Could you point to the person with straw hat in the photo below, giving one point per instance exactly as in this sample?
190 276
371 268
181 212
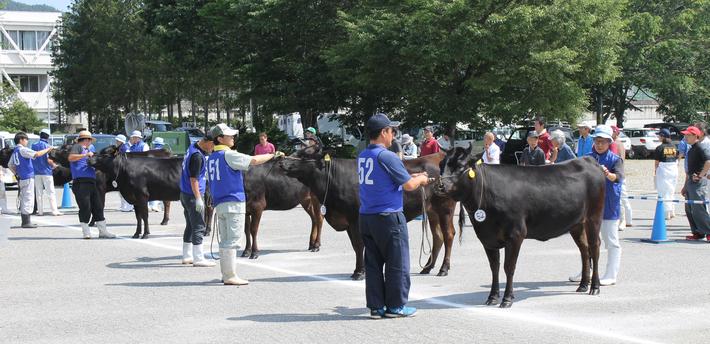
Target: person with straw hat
84 186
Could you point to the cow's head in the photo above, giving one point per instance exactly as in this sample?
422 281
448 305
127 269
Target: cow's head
5 155
457 167
303 163
61 155
104 161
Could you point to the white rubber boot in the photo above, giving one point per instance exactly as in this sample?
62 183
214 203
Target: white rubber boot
612 267
228 265
103 232
85 230
198 257
187 253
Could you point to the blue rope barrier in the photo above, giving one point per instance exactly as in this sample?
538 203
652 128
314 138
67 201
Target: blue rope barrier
651 198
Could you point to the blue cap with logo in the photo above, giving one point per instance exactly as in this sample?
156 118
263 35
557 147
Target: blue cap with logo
380 121
664 133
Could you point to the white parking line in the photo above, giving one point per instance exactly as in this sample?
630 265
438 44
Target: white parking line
507 314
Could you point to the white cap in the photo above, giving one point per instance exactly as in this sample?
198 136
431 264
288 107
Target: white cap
45 131
121 137
158 140
136 133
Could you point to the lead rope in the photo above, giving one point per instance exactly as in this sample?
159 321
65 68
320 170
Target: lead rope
425 233
215 233
327 183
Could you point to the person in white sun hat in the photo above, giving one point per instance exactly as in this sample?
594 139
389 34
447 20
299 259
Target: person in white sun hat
613 168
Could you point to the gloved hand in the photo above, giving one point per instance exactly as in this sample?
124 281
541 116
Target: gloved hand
200 205
279 154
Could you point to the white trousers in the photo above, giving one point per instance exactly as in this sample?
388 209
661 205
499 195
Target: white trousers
125 206
27 196
626 216
666 178
3 199
45 184
610 236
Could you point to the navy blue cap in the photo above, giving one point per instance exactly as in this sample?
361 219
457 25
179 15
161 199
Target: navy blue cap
664 133
379 121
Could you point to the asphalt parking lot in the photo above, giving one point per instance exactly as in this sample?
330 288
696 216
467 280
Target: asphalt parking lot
58 288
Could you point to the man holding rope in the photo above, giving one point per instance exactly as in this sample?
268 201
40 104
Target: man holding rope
382 177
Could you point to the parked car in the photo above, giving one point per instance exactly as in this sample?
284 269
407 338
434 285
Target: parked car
102 140
56 140
626 141
518 140
674 128
643 141
195 134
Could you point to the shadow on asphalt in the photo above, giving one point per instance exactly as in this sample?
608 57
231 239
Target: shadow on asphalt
308 278
339 314
215 282
523 291
148 263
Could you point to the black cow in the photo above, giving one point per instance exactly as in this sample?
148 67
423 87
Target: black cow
141 179
269 188
513 203
340 178
103 184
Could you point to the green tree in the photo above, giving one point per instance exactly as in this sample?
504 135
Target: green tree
475 61
665 53
15 114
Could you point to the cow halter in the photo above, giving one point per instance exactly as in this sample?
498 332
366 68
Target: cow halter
479 215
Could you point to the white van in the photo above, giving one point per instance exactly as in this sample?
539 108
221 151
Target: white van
329 123
291 125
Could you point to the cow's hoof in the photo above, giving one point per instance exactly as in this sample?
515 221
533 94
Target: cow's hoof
492 301
357 276
506 304
164 223
136 236
92 224
594 291
583 289
425 271
442 273
254 255
314 249
145 236
246 253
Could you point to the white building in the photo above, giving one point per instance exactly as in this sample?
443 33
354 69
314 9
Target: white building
646 112
25 57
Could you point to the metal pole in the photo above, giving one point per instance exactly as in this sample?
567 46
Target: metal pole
49 127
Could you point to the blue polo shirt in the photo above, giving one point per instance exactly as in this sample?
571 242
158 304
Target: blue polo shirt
584 146
381 176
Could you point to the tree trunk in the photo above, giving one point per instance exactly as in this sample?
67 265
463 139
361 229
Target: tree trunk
89 117
600 99
179 104
229 122
207 115
194 114
308 119
170 112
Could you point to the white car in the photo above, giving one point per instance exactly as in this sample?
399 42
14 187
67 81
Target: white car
643 141
626 141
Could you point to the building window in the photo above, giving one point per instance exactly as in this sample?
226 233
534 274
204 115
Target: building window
26 40
30 83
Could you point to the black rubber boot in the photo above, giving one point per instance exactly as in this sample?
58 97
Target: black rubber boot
26 222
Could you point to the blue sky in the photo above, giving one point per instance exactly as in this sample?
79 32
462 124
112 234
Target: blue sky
61 5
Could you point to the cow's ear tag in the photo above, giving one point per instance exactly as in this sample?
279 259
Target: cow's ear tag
479 162
480 215
323 210
471 174
114 184
326 158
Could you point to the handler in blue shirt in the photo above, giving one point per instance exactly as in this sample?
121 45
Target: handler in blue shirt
44 181
382 177
585 142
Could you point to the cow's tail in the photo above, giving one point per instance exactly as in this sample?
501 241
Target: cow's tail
462 222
